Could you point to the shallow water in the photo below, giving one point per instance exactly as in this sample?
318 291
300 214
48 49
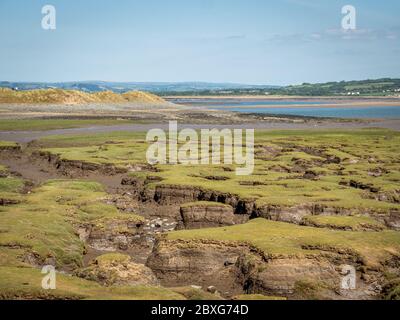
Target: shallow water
242 102
370 112
274 107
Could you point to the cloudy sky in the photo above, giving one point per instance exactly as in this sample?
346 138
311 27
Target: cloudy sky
243 41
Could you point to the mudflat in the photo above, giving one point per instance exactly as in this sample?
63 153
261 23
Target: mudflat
318 199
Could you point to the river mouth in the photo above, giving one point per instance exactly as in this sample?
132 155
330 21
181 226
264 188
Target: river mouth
318 108
325 112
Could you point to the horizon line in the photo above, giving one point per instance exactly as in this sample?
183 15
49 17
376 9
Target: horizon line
198 82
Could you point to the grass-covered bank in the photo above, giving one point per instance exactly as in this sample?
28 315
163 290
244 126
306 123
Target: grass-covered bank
52 124
356 169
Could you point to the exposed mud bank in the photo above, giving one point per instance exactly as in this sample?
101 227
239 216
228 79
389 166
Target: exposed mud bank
11 148
178 194
118 270
164 200
199 215
393 220
235 268
205 264
76 168
112 235
170 195
8 202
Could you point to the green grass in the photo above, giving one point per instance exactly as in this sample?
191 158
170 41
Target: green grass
25 283
10 187
345 222
361 152
7 144
280 238
203 204
311 290
43 224
51 124
191 293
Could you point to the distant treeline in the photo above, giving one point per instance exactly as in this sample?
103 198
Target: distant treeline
379 87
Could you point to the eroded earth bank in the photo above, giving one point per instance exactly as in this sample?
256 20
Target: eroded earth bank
116 227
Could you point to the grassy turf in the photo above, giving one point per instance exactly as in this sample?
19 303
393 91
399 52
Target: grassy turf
280 238
51 124
42 225
10 187
370 157
7 144
203 204
345 222
25 283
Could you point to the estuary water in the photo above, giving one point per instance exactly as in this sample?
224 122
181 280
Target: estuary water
300 108
370 112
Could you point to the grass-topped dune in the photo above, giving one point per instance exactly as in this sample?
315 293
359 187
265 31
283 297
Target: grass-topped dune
75 97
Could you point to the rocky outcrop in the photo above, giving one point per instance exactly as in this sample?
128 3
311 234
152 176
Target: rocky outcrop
112 235
178 194
205 263
208 214
236 268
393 220
164 195
117 270
279 276
75 167
296 214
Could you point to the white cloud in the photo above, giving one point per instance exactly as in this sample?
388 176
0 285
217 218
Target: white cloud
333 35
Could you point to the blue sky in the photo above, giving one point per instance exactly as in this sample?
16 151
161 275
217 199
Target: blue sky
244 41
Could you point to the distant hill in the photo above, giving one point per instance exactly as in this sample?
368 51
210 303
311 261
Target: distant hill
378 87
120 87
75 97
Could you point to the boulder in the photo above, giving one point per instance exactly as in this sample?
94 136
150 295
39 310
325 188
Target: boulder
117 270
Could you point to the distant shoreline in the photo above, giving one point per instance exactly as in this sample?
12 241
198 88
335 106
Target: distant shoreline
288 106
279 97
326 102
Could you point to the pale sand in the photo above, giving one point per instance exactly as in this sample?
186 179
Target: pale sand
326 102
